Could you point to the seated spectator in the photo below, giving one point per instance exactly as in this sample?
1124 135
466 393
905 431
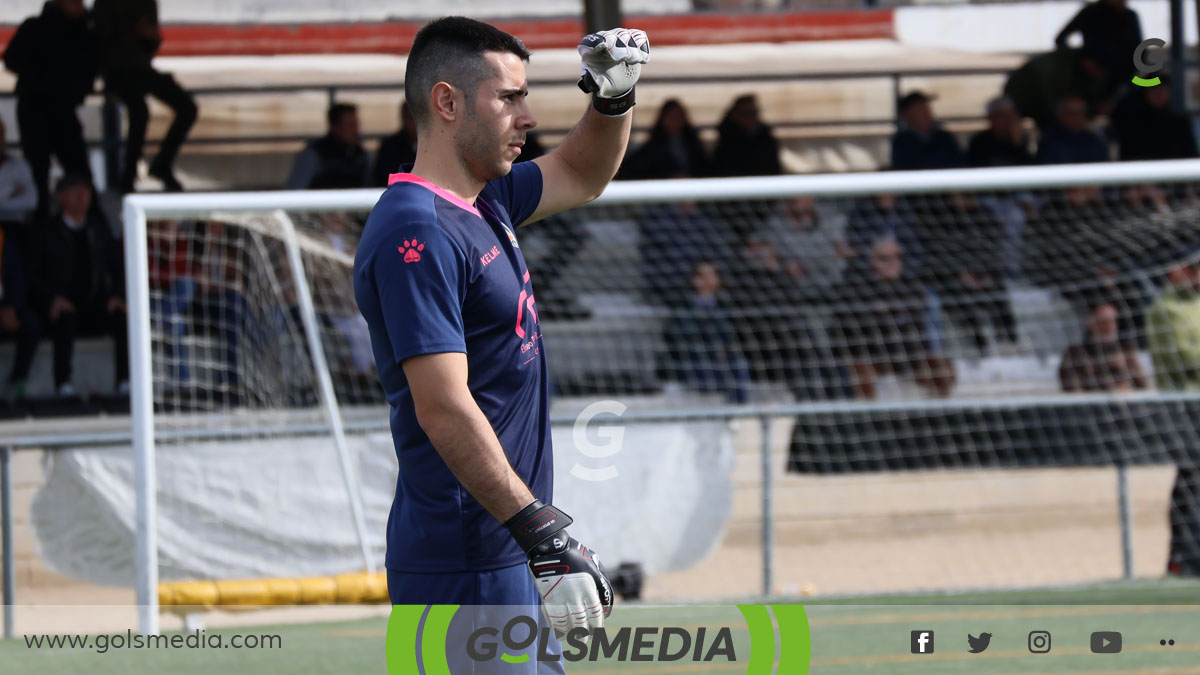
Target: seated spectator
877 217
1173 329
921 143
18 195
1004 142
805 241
1069 140
337 160
745 146
674 237
15 316
674 149
174 268
76 280
882 325
1101 362
1146 127
398 149
964 244
701 343
1037 86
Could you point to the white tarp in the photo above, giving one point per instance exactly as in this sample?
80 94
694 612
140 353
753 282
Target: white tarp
278 508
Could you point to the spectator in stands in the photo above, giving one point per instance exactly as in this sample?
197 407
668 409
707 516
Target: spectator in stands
174 268
1101 362
804 240
1004 142
879 216
1145 126
674 237
398 149
745 145
1037 86
920 142
700 340
964 243
54 58
129 37
674 149
18 196
77 282
15 316
1173 334
336 160
881 327
1111 32
1173 329
1069 140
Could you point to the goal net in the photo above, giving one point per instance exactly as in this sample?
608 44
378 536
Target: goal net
824 384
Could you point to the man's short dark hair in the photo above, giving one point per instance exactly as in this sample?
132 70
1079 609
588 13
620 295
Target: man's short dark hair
451 50
337 110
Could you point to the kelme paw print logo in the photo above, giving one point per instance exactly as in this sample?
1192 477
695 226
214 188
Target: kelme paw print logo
411 250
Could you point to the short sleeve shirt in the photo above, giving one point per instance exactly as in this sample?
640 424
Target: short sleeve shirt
436 274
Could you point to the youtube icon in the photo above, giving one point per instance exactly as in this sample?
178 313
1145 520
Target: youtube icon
1106 642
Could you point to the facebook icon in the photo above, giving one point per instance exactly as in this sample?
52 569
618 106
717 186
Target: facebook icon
922 641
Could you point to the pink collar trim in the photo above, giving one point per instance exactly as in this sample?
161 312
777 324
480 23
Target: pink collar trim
441 192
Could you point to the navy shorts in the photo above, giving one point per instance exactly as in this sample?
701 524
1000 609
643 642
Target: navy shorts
490 598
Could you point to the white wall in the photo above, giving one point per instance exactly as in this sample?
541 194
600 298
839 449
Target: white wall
290 11
1017 27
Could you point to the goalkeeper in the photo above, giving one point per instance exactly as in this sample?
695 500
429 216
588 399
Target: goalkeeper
441 281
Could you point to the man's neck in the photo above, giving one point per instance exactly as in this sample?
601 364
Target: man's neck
440 166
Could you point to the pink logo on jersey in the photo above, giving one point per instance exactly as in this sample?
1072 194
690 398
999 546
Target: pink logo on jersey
411 250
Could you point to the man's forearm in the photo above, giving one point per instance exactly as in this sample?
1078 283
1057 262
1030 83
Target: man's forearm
467 443
595 147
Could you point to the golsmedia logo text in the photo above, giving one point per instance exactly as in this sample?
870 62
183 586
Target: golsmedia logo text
641 644
514 640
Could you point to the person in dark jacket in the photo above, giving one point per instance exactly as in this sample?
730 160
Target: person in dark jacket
54 58
745 146
400 148
1069 140
336 160
881 325
674 149
1111 32
701 343
1102 362
15 315
920 142
1146 127
76 280
129 37
1004 142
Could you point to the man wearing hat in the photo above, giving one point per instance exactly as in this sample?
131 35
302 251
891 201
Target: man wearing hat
77 281
921 143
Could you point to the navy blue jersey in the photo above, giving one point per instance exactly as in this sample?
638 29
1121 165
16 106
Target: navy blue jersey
435 274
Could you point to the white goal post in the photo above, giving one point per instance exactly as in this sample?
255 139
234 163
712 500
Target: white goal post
141 208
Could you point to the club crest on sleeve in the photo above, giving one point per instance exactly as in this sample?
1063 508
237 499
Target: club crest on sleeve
511 237
411 250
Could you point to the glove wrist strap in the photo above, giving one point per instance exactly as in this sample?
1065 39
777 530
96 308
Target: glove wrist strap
614 107
536 523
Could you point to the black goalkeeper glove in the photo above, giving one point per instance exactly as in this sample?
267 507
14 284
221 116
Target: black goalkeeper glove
575 592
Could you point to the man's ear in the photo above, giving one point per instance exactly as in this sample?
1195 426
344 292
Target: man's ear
446 101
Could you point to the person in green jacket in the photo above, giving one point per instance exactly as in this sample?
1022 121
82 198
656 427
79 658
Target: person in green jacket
1173 335
1173 330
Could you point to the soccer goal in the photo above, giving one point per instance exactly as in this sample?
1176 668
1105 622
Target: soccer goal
943 355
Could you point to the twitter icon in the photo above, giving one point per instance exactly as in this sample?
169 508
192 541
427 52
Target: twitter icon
980 643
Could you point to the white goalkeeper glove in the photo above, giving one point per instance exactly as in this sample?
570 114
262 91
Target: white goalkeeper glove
612 63
575 592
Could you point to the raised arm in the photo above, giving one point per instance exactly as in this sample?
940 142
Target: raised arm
581 167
